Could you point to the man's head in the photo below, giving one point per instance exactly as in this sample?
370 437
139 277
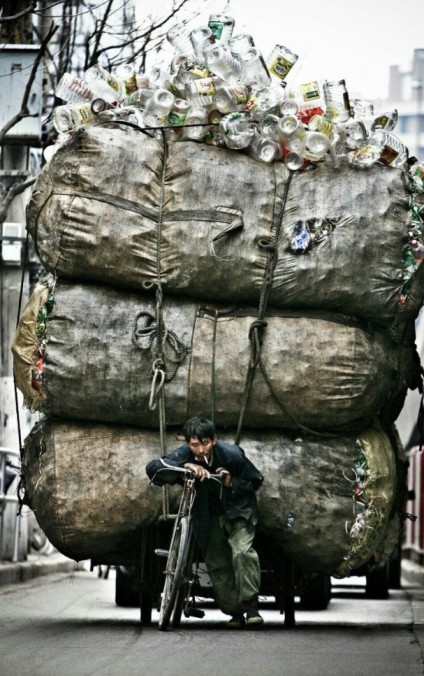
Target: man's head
200 435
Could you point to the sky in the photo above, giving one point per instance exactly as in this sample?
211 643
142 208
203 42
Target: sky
356 41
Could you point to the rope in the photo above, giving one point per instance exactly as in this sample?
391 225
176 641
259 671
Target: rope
213 379
258 326
157 392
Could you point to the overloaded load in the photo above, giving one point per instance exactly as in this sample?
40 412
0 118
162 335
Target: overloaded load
328 503
85 351
113 206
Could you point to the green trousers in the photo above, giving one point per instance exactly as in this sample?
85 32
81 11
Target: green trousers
233 565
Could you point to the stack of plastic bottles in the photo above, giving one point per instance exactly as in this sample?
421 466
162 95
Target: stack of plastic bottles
219 89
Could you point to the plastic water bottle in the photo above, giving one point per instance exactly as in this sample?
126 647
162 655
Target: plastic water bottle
178 114
315 145
386 121
73 90
294 161
200 39
179 37
222 63
337 102
201 92
355 134
69 118
319 123
280 61
255 72
195 116
229 98
263 101
264 149
103 84
158 108
268 126
237 130
287 126
126 73
240 44
222 26
363 110
288 107
393 151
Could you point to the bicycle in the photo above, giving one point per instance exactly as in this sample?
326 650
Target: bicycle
179 578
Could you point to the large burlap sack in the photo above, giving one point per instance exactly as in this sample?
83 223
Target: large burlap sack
89 491
98 213
322 372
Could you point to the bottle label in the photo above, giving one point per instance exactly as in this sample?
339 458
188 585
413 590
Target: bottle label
199 71
310 91
113 82
131 84
240 94
205 87
216 27
252 102
176 119
280 67
388 155
381 122
84 114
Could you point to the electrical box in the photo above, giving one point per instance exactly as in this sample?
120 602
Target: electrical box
11 245
15 68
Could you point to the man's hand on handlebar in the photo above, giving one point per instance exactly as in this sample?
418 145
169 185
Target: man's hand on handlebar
226 477
200 472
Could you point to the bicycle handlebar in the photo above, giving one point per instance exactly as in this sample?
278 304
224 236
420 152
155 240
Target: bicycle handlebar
184 470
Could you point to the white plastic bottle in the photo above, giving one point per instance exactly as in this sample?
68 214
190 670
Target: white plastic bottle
195 116
158 108
237 130
103 84
68 118
264 149
255 72
337 104
200 93
73 90
200 39
222 26
280 61
222 63
179 37
231 98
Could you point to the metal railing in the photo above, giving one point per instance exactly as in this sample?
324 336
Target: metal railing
6 454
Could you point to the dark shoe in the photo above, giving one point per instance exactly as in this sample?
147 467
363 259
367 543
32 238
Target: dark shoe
253 617
236 622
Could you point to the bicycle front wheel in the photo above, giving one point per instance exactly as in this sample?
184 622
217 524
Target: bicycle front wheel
175 565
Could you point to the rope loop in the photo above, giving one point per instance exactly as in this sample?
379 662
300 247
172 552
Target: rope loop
158 382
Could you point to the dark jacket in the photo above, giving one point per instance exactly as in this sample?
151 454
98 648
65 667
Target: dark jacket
237 501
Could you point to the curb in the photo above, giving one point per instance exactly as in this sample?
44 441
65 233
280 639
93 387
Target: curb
35 566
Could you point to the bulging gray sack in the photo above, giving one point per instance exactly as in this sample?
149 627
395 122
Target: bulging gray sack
112 206
98 347
328 503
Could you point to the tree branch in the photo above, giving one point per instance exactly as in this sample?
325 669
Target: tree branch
14 190
24 105
27 10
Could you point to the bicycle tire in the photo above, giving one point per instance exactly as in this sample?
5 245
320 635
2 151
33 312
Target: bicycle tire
185 578
174 569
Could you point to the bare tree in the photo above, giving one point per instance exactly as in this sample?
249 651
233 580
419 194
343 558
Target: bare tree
73 35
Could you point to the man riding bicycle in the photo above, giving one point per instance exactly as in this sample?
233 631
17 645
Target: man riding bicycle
224 516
